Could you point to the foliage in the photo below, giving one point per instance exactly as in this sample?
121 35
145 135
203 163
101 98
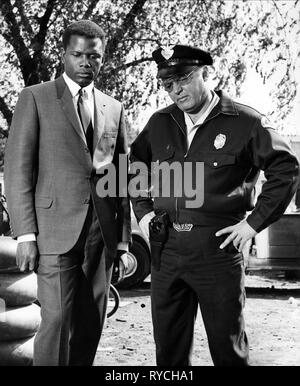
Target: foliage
239 34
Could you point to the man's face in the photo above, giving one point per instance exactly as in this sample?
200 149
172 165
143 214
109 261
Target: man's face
83 59
190 95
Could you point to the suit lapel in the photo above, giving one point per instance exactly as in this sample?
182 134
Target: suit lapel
99 121
67 105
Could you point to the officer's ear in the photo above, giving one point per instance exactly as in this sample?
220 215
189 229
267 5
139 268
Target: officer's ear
205 73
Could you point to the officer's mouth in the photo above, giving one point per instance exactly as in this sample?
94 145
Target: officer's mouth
182 99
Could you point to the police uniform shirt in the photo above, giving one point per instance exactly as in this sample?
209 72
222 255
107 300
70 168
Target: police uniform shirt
235 143
191 128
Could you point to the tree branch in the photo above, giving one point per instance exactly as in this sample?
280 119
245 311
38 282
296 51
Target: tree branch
280 14
40 72
90 8
132 64
24 19
58 11
126 25
40 37
13 36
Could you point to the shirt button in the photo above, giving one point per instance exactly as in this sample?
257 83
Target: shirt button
215 164
86 150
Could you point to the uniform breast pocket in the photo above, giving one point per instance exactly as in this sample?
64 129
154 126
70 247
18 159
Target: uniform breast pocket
219 160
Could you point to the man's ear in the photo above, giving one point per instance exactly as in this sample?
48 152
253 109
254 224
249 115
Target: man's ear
62 55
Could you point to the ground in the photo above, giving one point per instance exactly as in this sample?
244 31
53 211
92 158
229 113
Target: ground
272 315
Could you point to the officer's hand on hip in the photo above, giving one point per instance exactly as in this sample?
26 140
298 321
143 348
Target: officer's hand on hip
239 234
27 255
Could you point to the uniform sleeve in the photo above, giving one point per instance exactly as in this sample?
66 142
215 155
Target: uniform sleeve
140 170
273 155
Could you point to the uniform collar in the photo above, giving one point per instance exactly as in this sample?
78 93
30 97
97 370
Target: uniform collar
225 106
74 87
213 102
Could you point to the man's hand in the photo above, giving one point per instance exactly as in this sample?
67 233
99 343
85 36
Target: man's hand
144 223
120 266
240 233
27 255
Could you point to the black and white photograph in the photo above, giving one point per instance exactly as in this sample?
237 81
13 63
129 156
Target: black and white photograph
150 186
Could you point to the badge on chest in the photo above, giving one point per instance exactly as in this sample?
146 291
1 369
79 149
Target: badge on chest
220 141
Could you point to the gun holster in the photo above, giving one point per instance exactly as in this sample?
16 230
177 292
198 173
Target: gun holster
158 235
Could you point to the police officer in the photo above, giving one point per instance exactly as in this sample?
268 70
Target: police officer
201 260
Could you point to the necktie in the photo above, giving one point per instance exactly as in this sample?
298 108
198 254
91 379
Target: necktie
86 119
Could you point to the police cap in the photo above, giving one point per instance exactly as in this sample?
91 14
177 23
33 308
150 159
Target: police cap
180 56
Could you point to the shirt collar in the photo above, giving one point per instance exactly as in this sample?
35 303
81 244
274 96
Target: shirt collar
74 87
189 123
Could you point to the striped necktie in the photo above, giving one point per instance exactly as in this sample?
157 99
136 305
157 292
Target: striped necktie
85 118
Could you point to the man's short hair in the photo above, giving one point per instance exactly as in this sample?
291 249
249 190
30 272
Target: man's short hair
85 28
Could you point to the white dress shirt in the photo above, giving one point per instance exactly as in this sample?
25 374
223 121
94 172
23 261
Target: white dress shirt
191 128
88 94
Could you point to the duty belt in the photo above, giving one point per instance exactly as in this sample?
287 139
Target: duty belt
182 227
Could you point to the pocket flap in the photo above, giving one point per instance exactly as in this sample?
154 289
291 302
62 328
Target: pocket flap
219 160
43 202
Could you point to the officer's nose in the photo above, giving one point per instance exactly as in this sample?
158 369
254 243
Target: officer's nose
177 88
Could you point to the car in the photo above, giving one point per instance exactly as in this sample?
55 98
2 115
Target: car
139 253
277 248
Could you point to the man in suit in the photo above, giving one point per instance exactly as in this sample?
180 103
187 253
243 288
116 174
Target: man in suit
62 134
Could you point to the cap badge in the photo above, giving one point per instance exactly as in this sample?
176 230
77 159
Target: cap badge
167 52
220 141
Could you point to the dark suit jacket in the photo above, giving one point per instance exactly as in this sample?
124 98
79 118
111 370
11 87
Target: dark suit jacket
48 168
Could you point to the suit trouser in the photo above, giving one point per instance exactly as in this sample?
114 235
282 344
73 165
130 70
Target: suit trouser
73 291
194 271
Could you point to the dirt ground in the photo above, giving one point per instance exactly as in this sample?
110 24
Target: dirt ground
272 315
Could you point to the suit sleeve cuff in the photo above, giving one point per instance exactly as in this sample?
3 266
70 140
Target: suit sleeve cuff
123 246
26 237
